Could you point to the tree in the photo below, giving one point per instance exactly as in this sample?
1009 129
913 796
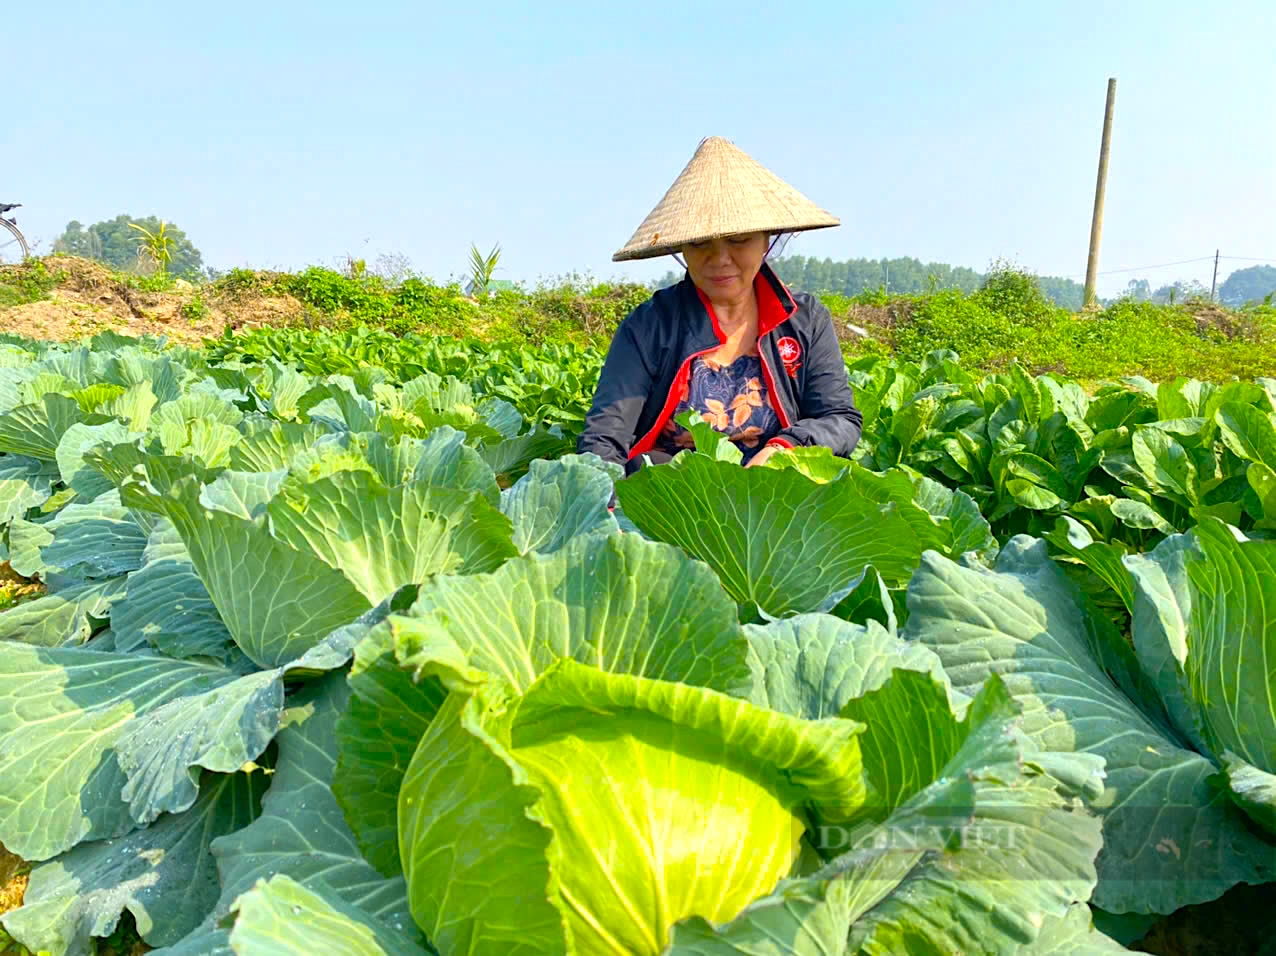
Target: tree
1248 285
1140 290
1065 293
1180 292
114 243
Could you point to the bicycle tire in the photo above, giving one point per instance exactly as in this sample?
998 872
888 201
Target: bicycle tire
22 241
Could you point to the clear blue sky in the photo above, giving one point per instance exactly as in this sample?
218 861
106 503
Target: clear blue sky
279 134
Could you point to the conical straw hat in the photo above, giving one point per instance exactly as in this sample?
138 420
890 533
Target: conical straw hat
722 191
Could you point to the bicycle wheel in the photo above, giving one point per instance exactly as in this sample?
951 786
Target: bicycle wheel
13 247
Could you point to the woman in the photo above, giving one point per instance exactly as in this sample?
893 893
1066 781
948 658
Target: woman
757 362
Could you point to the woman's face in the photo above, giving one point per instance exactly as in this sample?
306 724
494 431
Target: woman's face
724 269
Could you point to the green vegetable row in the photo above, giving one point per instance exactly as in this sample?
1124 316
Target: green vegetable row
363 663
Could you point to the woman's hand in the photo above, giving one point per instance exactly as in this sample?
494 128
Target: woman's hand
763 455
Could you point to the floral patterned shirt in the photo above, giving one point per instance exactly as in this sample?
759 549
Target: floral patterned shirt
731 398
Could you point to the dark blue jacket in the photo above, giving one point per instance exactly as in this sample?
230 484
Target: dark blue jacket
649 362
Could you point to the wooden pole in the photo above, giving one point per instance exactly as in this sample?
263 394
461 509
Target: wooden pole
1096 223
1214 281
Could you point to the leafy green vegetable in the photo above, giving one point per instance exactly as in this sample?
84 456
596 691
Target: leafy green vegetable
281 917
1170 836
713 768
164 875
824 706
67 783
756 528
930 877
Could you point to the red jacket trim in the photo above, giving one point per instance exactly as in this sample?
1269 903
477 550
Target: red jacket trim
680 382
772 395
773 308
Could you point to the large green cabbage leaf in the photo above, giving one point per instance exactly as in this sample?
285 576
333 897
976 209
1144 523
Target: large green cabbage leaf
557 501
1205 627
69 783
779 542
1171 836
980 849
301 833
617 602
281 917
296 599
25 483
812 665
164 875
626 803
166 605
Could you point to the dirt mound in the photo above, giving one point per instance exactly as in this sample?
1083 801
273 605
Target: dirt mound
1231 325
89 298
881 316
873 322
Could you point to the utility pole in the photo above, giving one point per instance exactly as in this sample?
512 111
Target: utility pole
1096 223
1214 281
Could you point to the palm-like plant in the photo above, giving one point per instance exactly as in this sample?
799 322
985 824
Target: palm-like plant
157 245
481 269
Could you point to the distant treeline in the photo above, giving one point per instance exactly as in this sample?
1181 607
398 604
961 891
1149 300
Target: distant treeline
910 276
905 276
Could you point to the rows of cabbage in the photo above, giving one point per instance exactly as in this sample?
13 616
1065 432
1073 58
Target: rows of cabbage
551 383
1124 464
1113 472
307 672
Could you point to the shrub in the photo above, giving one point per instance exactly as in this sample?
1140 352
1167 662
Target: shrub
30 281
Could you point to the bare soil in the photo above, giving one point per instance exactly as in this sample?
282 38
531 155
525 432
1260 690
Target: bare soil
13 886
13 880
90 299
14 587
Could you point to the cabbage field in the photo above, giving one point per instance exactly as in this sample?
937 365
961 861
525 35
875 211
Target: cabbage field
343 651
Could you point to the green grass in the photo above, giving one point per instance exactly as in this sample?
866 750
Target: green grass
194 310
1010 319
572 311
28 282
155 282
